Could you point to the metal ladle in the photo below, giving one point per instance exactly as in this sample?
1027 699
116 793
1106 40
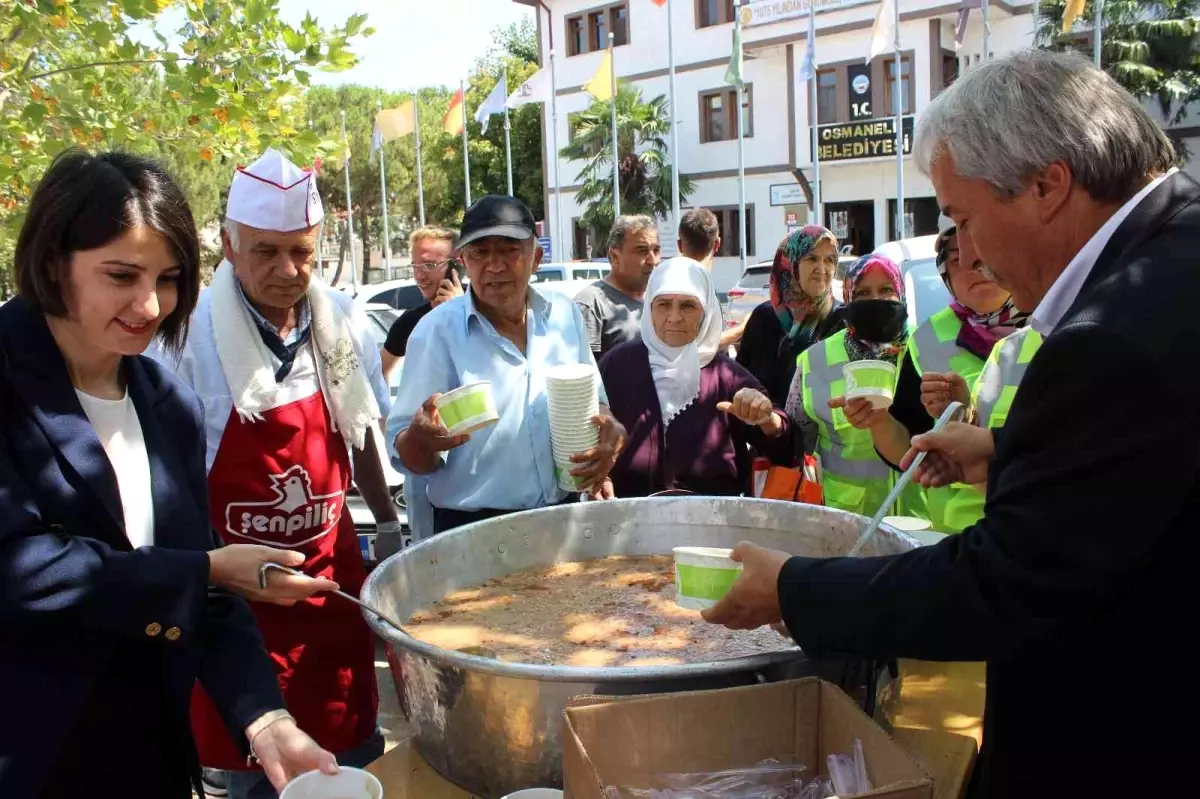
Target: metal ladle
953 413
262 583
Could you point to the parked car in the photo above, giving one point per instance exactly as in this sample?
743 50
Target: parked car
381 317
398 294
568 279
751 291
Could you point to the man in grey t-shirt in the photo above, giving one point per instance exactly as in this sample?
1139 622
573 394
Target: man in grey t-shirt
612 307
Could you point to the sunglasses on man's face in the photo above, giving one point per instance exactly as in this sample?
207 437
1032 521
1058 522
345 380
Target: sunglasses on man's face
433 266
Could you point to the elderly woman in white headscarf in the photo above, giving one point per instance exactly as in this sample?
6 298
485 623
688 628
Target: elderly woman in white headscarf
690 412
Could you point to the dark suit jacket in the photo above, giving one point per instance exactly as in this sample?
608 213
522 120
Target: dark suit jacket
73 591
1079 586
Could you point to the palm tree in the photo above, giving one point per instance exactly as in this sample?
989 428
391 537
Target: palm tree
1150 48
645 168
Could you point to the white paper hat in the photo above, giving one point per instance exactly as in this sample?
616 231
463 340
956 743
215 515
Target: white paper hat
274 194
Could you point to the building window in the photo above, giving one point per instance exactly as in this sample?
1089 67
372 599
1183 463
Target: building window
718 114
576 44
581 249
573 132
597 30
588 32
949 70
713 12
906 85
827 89
620 25
728 218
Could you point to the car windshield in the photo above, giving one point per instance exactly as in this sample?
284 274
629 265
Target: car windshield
755 277
547 276
381 323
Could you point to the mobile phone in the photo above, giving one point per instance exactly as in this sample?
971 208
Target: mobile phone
452 271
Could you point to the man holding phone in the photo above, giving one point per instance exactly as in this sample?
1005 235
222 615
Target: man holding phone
437 275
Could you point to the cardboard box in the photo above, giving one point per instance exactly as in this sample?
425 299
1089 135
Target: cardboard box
625 743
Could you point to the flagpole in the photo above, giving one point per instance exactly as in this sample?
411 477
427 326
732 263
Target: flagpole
557 243
1098 35
616 148
900 231
420 176
462 85
741 118
674 116
987 32
507 138
349 209
387 239
814 121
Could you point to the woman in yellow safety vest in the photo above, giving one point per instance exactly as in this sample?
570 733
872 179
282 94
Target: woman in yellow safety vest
855 478
944 359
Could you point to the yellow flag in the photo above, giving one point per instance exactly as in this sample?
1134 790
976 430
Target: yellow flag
600 86
1071 13
393 123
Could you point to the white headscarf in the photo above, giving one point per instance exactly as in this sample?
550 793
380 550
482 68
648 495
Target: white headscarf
676 370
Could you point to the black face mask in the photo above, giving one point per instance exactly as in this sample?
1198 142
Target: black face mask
877 321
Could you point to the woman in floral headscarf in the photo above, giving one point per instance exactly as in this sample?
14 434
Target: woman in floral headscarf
944 359
856 479
802 309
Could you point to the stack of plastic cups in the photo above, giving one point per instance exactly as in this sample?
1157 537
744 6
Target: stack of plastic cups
574 398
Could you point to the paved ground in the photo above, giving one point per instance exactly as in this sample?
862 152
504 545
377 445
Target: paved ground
395 729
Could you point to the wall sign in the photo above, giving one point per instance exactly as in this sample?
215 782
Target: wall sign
862 95
766 12
850 141
787 194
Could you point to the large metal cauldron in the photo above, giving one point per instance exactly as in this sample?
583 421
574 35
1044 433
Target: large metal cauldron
494 727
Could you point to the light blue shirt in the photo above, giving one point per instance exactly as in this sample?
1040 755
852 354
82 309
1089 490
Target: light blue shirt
509 465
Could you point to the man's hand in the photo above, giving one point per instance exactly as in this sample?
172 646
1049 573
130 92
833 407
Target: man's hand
602 491
285 752
428 432
860 413
447 289
750 406
236 567
959 453
939 389
754 599
597 462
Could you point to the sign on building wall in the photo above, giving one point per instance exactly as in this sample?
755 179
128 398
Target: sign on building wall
787 194
850 141
861 92
767 12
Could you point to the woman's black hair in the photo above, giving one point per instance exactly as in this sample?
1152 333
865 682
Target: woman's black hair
86 201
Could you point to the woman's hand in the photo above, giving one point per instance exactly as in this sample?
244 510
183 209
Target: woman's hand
236 568
755 409
860 413
285 752
939 389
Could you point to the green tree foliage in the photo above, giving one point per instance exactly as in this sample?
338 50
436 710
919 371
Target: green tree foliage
216 86
1150 48
644 162
441 157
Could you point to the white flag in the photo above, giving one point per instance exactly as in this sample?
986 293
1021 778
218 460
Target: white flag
884 36
494 104
809 67
534 90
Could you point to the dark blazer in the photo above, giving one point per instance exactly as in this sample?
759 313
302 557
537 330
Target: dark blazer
75 598
1079 586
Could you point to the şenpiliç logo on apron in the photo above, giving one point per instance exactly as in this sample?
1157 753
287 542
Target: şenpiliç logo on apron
295 514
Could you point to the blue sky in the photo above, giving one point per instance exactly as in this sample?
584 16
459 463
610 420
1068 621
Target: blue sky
417 42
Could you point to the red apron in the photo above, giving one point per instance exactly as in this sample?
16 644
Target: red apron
282 481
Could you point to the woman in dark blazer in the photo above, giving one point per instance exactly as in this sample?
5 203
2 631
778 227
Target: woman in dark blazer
114 601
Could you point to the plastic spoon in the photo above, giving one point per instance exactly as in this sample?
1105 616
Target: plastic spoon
953 412
262 583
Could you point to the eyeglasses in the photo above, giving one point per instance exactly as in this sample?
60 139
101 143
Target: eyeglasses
433 266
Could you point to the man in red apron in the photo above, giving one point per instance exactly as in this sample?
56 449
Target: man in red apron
292 386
